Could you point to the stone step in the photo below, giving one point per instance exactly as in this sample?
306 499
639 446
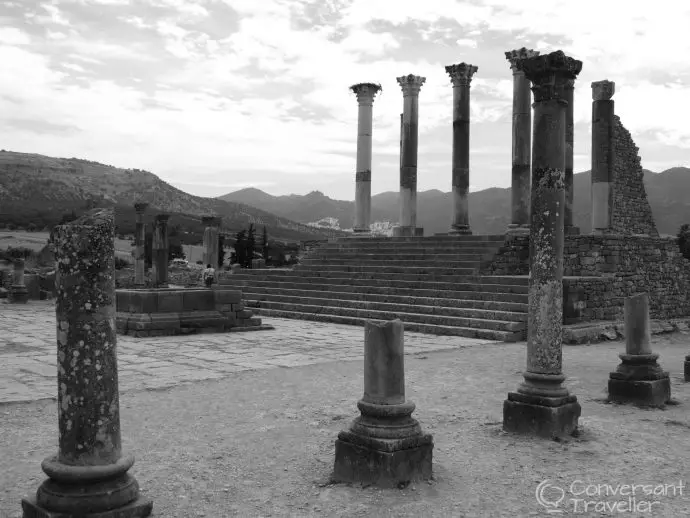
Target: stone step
419 247
430 271
490 293
406 314
486 334
424 239
388 263
449 299
388 256
260 300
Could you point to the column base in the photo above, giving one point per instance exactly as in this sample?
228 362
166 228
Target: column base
18 294
687 368
139 508
640 380
546 417
460 230
404 231
571 231
515 229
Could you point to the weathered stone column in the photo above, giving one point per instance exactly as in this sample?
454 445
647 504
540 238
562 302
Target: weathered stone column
211 240
385 446
639 379
602 155
19 294
568 91
365 98
160 250
542 405
411 85
140 245
522 140
461 77
88 476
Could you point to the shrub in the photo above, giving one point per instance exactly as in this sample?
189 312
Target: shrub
684 240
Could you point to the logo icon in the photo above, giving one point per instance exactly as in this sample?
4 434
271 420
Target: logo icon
549 496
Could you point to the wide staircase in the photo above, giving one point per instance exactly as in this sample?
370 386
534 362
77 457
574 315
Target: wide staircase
430 283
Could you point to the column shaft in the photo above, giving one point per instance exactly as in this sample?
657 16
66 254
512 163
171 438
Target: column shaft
522 139
365 97
602 155
569 143
160 250
211 240
140 245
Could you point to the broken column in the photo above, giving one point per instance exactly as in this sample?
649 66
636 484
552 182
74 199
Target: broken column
88 476
411 85
140 245
19 294
159 249
385 446
365 98
212 224
461 77
568 91
542 405
522 139
639 379
602 155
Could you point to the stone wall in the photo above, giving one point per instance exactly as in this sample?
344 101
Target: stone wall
511 259
631 212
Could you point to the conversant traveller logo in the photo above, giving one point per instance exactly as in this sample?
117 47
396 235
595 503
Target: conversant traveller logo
581 497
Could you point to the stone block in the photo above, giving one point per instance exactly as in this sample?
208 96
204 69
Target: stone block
199 319
170 301
33 286
137 301
254 322
537 416
139 508
244 314
198 300
226 296
18 294
165 321
3 293
654 393
138 321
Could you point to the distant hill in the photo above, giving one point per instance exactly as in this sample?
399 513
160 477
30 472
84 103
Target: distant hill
489 209
39 189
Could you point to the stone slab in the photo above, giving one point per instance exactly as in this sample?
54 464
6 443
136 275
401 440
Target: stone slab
170 301
198 300
653 393
540 420
140 508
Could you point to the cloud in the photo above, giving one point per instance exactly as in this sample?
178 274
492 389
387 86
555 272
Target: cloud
13 36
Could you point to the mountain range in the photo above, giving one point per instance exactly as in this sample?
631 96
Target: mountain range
667 192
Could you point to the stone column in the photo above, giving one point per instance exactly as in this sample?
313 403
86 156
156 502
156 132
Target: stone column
542 405
401 138
212 224
19 294
140 246
461 77
88 476
160 250
602 155
385 446
639 379
568 92
411 85
365 98
522 140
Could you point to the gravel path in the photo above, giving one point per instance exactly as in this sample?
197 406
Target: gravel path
261 443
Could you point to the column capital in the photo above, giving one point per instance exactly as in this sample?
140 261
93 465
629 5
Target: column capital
211 221
603 90
516 55
461 73
366 92
549 74
162 217
410 84
140 207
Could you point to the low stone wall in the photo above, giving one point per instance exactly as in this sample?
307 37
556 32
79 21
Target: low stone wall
187 277
601 270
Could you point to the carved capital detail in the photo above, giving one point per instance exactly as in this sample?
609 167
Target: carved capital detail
410 84
549 74
461 73
365 92
603 90
211 221
140 207
516 55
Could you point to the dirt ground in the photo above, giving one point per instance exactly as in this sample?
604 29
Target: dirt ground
261 443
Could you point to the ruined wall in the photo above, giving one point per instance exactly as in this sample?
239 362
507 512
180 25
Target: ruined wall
631 213
511 259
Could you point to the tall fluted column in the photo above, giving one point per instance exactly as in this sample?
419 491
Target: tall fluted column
602 155
88 476
212 224
522 140
160 250
568 92
140 245
365 98
411 85
461 77
542 405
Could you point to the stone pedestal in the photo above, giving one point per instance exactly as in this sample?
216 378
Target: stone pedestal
160 251
365 98
385 446
88 477
19 293
212 224
602 155
461 77
639 379
140 245
542 405
522 139
411 85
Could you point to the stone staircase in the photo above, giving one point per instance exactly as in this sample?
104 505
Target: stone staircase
430 283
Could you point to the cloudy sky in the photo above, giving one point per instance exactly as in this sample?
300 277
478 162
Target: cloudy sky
217 95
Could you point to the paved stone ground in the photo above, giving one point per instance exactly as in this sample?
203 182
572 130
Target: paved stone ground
28 369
